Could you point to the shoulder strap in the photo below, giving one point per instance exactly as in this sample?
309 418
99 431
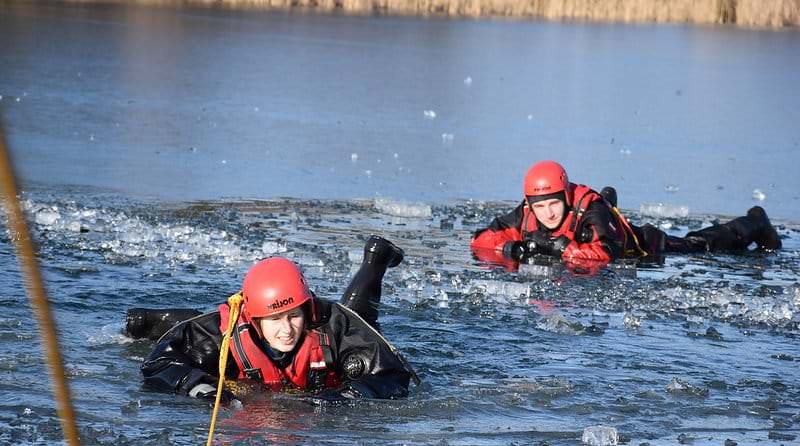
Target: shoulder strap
327 351
578 210
252 373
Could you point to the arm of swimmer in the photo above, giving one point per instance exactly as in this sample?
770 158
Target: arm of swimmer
185 356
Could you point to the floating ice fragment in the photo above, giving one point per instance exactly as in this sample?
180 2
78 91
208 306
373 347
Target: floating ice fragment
663 210
556 323
468 81
47 217
224 161
353 157
631 322
255 109
442 300
400 208
430 114
671 188
91 137
1 97
447 137
396 155
368 173
27 411
74 226
131 407
625 151
600 436
108 334
19 99
758 195
535 271
273 247
530 117
508 290
678 386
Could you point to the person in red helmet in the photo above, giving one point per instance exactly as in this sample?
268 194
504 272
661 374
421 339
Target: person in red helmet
285 338
575 223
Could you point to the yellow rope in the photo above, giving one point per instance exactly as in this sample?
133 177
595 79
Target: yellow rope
624 221
26 255
234 302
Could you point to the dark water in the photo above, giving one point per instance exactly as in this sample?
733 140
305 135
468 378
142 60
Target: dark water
122 119
704 347
202 104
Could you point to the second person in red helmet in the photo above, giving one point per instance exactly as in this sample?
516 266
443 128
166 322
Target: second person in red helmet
286 339
573 222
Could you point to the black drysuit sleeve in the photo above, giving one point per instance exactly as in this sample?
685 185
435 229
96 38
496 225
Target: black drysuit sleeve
598 224
368 366
187 355
512 219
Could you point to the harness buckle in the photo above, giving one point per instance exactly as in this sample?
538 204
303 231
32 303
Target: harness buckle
254 374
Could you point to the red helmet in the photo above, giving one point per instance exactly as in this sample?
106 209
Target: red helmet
546 178
273 286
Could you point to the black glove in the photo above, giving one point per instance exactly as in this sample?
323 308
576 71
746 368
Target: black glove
350 391
540 243
521 250
515 250
209 393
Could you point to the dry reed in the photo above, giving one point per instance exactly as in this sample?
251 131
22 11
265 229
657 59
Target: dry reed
749 13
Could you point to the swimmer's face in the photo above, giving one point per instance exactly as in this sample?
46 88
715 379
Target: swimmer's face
283 330
549 212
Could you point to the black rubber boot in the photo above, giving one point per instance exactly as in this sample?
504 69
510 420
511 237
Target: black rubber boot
380 251
610 194
765 234
363 295
152 323
739 233
652 239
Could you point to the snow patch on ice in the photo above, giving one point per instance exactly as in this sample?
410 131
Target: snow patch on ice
663 210
400 208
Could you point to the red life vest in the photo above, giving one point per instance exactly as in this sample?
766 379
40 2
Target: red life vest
308 371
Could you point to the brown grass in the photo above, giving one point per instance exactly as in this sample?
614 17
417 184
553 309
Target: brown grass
749 13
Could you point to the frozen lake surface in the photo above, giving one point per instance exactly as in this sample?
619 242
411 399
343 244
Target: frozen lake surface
154 146
203 104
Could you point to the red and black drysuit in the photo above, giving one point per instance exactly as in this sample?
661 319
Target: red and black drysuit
593 230
341 354
588 231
